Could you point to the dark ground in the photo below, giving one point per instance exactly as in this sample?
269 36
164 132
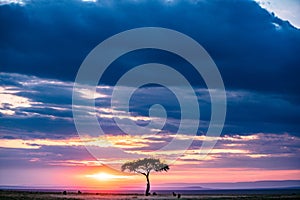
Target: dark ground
27 195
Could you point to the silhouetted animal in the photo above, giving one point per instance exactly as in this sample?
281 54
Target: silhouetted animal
174 194
64 192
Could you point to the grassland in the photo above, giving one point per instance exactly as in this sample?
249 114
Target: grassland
27 195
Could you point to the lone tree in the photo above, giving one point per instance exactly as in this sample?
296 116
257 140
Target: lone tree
145 166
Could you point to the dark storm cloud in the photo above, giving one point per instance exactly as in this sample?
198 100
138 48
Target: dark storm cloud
52 39
257 60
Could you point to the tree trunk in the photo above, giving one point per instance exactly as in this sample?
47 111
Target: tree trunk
148 186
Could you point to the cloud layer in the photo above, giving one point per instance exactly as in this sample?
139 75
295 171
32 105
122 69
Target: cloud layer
41 112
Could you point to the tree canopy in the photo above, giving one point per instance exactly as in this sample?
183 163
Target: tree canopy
145 166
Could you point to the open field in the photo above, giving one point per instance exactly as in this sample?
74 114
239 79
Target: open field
26 195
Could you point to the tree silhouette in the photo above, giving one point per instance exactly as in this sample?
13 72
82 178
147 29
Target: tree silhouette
145 166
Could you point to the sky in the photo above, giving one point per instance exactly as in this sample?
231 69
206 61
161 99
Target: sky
286 10
254 44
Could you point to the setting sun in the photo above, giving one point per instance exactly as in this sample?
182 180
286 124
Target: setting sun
103 176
